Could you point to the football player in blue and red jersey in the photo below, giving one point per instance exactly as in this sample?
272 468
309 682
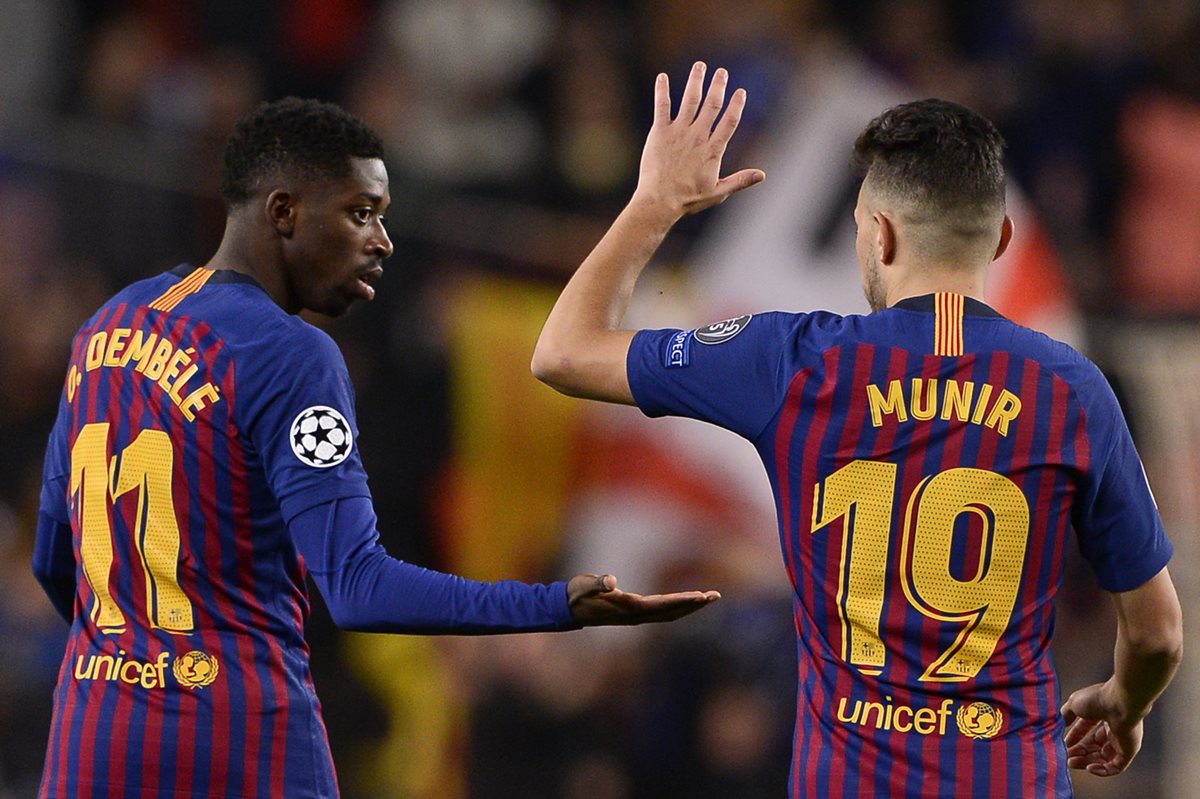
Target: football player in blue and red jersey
205 460
928 460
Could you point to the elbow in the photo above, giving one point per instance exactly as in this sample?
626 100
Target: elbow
1162 640
42 572
552 367
351 618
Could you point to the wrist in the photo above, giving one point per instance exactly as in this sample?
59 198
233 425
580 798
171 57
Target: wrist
1127 709
653 210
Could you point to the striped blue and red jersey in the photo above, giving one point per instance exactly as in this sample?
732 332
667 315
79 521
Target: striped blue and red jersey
929 462
204 459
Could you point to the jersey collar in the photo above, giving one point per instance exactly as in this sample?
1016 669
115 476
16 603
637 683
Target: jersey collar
925 303
219 275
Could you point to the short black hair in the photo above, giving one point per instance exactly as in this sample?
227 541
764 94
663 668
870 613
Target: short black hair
937 154
301 138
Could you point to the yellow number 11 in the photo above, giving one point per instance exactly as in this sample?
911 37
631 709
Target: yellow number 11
97 483
863 492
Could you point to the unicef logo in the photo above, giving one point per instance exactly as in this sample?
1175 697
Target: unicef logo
979 720
321 437
195 669
720 332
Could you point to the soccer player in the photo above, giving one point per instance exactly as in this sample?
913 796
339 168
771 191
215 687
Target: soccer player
928 461
205 459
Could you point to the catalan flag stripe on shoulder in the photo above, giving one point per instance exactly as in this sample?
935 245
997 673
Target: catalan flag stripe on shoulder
177 293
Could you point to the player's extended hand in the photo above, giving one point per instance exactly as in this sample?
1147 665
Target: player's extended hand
596 601
681 162
1098 739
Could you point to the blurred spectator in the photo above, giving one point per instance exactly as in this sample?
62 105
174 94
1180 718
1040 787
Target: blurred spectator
32 39
1158 132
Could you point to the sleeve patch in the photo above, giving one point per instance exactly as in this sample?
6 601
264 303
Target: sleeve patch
720 332
321 437
679 350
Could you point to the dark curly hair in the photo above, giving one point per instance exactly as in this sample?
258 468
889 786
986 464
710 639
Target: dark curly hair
938 155
301 138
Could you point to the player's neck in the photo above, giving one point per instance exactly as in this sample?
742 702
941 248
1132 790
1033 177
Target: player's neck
954 280
238 253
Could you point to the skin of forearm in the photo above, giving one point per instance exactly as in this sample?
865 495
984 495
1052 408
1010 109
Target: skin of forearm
596 298
599 293
1142 671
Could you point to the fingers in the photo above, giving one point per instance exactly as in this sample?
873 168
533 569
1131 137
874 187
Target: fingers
1080 733
662 99
715 100
601 584
692 92
744 179
668 607
733 116
1098 754
596 600
689 108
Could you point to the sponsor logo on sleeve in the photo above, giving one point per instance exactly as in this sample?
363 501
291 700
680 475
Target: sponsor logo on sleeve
720 332
679 349
321 437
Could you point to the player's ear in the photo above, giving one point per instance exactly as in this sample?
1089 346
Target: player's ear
280 209
1006 234
885 238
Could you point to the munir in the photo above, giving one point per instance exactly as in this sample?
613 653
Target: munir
952 399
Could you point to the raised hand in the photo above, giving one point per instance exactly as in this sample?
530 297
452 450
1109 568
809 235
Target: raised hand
681 161
596 601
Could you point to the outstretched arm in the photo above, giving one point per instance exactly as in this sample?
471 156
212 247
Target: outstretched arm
1104 721
367 589
582 349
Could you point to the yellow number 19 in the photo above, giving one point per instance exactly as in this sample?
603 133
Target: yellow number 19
97 483
863 492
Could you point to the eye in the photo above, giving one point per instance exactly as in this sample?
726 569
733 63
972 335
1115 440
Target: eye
363 215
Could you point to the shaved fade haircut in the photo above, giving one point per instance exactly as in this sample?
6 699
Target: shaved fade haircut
297 138
941 164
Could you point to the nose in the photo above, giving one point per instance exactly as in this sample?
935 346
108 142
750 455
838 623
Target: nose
380 245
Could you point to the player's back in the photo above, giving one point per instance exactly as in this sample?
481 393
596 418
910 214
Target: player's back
937 469
186 670
928 462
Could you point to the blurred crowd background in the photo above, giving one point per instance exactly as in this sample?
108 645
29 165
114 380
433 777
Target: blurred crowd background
513 130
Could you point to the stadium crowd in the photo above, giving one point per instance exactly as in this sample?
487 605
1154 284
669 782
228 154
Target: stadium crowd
513 129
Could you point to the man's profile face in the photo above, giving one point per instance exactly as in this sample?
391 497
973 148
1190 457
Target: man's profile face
338 242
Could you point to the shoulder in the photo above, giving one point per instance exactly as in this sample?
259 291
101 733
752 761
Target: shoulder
820 331
763 332
776 324
285 347
1085 383
1061 359
262 334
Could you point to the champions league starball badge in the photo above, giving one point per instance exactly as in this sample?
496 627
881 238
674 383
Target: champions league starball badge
321 437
